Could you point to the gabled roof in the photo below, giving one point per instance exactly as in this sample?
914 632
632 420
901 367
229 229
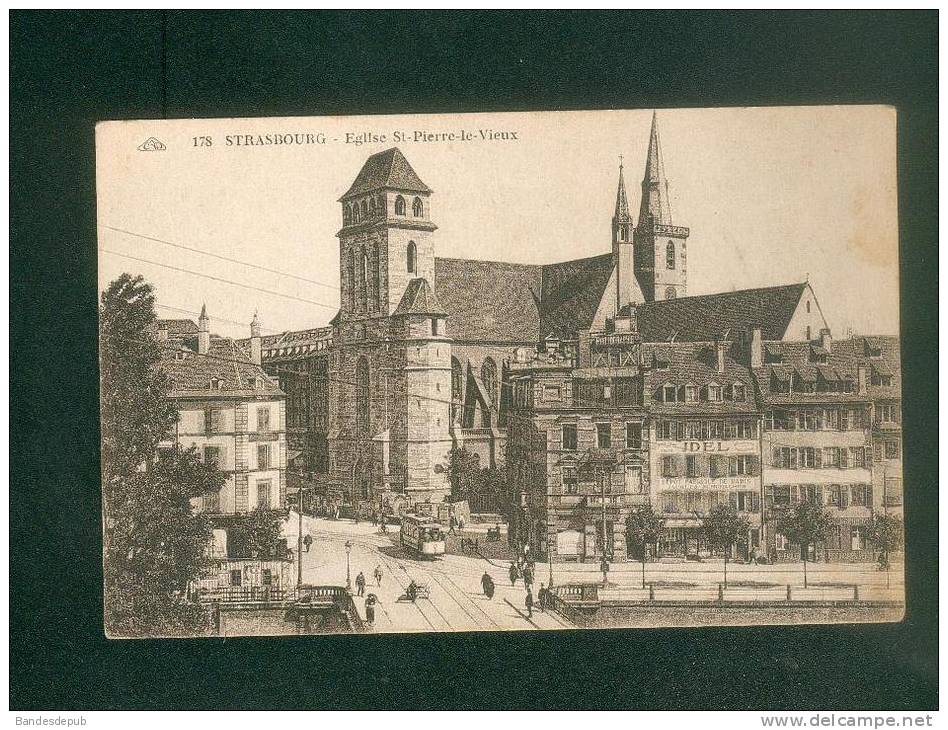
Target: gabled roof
571 294
191 373
796 360
489 300
178 327
419 298
388 169
706 318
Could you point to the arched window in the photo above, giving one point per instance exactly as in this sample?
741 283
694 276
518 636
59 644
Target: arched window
417 209
380 205
807 306
352 277
372 207
670 255
365 279
365 210
457 380
489 379
670 293
412 257
347 215
362 395
399 205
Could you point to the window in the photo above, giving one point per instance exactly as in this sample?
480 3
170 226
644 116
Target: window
738 391
263 494
364 212
212 456
633 435
569 437
810 420
670 255
214 420
489 379
263 420
457 380
691 394
412 258
551 393
739 466
808 458
670 393
569 479
435 327
781 542
862 495
669 466
604 435
885 414
691 466
417 209
892 450
781 420
807 306
235 576
362 395
266 577
633 480
665 430
857 457
693 430
670 292
399 205
263 456
715 393
744 429
831 458
857 538
216 383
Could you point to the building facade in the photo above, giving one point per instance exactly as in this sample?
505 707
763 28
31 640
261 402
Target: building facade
230 411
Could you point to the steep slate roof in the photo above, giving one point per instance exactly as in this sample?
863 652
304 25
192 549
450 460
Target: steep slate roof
191 373
388 169
489 300
695 363
705 318
178 327
797 359
419 298
571 294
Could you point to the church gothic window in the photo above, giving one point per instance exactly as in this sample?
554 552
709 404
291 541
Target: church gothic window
365 210
417 209
352 276
399 205
347 215
489 379
362 395
670 255
365 279
412 257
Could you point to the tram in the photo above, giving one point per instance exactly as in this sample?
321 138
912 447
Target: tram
422 536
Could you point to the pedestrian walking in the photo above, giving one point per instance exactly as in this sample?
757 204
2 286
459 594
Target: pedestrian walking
307 541
528 601
378 575
528 577
461 522
514 574
360 584
488 585
453 523
370 602
542 597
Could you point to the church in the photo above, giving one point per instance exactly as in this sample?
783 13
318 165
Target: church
421 349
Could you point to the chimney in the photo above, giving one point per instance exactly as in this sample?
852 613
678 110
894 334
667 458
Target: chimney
861 379
756 348
720 348
255 342
826 339
204 332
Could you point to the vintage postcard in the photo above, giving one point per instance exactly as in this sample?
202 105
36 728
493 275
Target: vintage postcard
508 371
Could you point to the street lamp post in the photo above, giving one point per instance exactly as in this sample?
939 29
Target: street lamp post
348 574
299 543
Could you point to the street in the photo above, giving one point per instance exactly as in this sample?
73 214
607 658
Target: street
457 602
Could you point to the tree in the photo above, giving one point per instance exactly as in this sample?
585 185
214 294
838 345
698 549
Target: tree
723 527
154 545
462 467
885 532
258 535
805 524
642 528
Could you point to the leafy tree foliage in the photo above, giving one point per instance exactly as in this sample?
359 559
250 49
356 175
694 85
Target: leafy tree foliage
153 543
642 528
723 528
885 532
258 535
805 524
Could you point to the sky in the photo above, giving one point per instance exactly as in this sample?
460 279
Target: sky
771 195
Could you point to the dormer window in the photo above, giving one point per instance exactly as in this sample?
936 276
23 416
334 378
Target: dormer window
399 205
691 394
715 393
216 383
417 209
670 393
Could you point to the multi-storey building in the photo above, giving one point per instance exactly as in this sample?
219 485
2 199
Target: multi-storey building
816 440
704 433
880 358
230 410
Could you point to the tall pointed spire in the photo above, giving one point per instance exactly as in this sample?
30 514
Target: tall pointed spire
203 320
622 202
654 184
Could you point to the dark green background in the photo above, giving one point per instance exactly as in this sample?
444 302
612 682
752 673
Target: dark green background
70 69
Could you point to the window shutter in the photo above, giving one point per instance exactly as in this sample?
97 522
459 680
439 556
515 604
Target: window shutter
817 458
868 495
753 465
844 458
755 502
732 466
843 496
732 499
777 461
